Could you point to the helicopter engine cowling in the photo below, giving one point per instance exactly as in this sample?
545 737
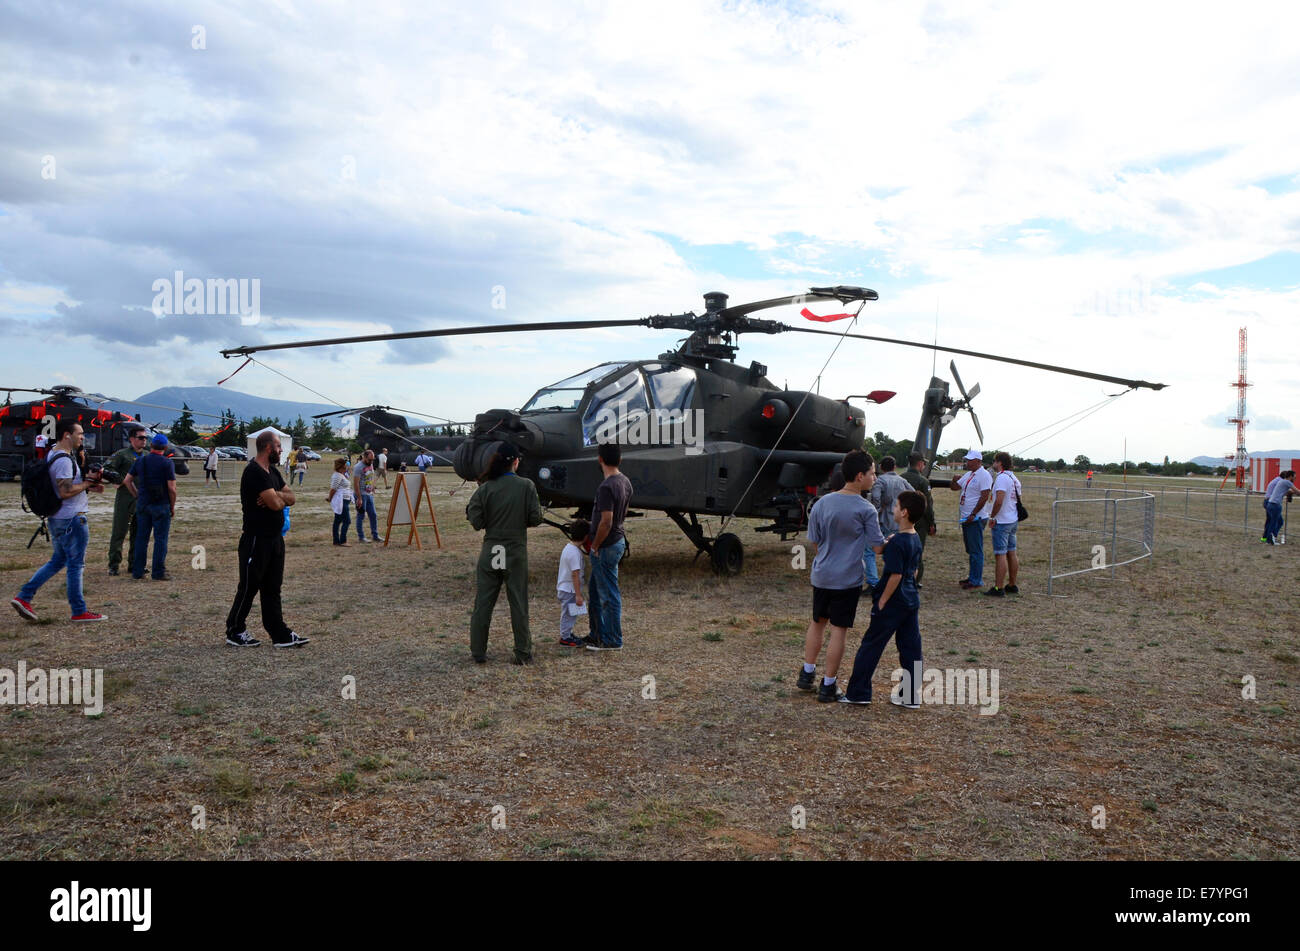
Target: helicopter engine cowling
820 423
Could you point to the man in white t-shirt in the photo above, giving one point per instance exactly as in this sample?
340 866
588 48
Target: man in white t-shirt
1006 519
383 466
974 509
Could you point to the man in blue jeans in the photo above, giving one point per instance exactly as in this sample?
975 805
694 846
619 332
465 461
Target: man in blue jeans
363 491
976 488
69 532
604 603
152 480
1280 488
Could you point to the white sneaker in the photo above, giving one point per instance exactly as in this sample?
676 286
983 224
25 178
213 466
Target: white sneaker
898 702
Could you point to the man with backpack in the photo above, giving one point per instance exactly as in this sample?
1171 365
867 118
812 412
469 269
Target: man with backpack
152 480
55 489
1006 519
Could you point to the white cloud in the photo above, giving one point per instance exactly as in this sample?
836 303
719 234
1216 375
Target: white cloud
1044 184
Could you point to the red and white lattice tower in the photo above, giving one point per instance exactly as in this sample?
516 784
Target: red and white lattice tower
1240 460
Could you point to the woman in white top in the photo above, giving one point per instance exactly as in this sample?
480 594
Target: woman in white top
340 495
210 467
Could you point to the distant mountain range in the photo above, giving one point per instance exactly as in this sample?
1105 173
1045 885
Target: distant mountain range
215 400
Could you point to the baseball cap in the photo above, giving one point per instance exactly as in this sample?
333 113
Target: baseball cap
159 441
975 454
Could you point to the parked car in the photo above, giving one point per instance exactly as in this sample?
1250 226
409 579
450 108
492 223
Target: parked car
311 454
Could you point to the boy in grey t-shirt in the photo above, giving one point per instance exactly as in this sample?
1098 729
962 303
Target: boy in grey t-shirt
841 524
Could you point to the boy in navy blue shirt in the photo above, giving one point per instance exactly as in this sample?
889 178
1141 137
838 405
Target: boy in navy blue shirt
895 610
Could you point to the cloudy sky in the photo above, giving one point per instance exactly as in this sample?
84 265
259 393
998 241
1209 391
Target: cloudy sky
1113 187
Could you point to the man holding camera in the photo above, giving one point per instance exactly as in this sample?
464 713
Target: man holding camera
118 466
152 480
69 532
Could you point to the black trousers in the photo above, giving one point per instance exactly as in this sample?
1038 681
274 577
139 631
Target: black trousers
261 572
901 623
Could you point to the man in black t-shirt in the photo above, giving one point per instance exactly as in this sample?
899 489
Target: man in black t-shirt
261 548
605 604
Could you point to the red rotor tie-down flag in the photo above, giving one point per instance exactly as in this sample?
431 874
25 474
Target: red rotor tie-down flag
825 320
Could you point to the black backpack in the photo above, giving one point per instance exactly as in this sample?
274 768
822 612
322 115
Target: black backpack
39 495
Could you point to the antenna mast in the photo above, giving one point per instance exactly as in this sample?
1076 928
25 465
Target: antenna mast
1240 459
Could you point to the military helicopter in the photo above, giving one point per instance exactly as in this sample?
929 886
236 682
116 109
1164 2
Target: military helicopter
20 423
701 434
379 426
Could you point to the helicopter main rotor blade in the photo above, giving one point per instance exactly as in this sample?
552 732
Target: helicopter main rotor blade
988 356
455 332
842 293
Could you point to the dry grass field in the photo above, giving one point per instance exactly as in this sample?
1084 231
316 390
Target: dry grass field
1125 694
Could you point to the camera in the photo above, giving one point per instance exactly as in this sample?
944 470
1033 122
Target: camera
96 472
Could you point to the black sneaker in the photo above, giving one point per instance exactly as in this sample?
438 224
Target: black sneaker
1012 589
806 679
994 593
844 698
166 576
588 641
829 693
293 641
112 571
242 640
478 659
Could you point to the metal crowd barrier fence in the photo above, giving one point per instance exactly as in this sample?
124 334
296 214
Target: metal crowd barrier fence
1096 529
1234 508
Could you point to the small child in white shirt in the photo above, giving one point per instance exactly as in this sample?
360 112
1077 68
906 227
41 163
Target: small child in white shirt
568 584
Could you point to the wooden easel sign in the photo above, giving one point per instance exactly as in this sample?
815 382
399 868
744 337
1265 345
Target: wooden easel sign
409 491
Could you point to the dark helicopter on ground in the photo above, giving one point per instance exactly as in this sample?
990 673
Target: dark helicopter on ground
380 428
105 430
701 434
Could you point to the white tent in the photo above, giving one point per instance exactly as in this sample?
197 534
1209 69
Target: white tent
286 442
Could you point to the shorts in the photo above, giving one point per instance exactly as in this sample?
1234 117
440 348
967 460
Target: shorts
838 604
1004 537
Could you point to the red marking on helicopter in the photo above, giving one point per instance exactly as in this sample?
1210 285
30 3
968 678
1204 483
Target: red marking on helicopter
820 318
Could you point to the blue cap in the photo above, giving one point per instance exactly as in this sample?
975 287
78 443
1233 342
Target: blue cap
159 441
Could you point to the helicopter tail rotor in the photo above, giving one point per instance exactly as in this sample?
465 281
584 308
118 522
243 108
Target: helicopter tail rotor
965 403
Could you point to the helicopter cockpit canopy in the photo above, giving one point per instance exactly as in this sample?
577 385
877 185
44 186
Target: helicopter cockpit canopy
568 393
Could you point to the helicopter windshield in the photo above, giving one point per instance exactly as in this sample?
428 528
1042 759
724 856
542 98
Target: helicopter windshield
567 394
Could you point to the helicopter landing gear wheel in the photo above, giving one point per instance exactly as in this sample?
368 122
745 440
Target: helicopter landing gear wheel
728 554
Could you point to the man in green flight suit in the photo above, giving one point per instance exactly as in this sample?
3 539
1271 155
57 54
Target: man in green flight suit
506 507
124 502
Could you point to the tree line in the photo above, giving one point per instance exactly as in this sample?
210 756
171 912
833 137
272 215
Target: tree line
881 445
234 432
